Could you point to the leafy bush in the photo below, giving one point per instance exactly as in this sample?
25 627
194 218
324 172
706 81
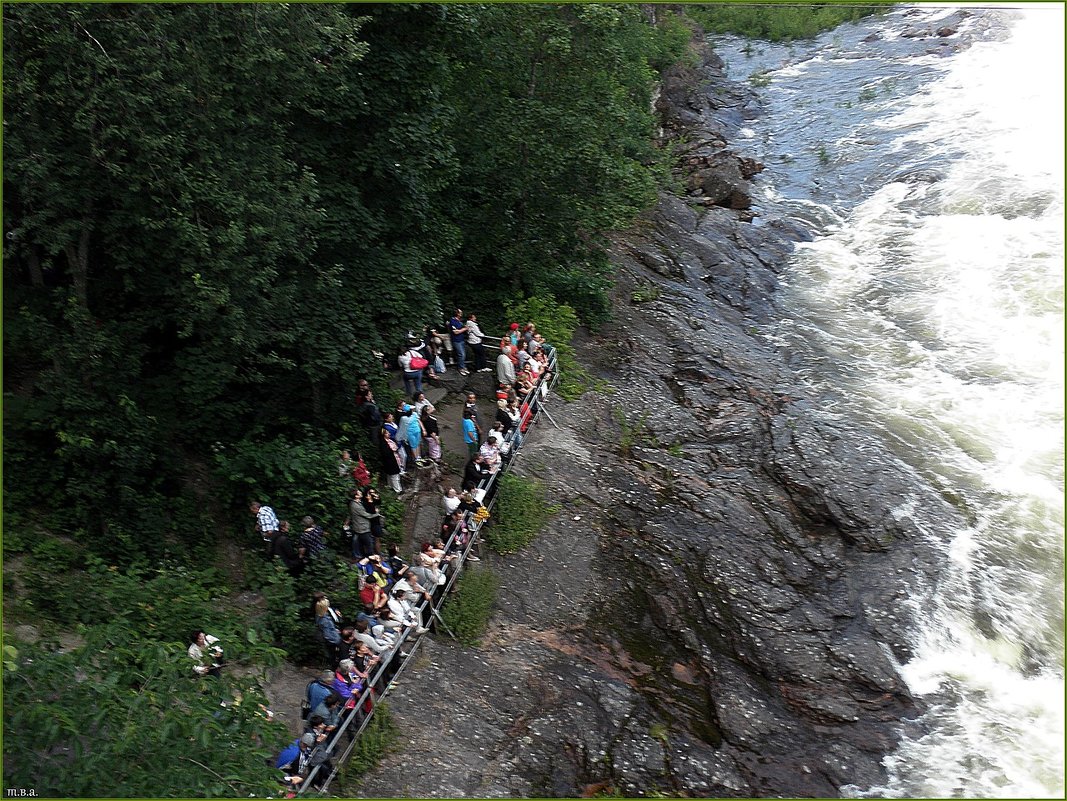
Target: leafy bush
778 22
556 322
392 518
380 736
126 712
519 513
468 609
296 477
288 618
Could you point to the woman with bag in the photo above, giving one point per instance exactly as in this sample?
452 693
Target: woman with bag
412 362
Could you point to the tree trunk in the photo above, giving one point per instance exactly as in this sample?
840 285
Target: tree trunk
33 260
78 259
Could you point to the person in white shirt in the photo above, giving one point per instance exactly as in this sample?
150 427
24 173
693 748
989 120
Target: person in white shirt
474 339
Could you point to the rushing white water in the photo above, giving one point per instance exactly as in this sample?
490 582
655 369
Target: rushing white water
931 310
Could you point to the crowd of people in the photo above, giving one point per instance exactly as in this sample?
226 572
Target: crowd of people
365 650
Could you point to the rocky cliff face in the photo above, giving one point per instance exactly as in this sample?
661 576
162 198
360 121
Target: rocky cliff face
719 608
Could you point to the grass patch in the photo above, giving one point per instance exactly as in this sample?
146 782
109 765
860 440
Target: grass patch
645 292
468 609
519 513
380 736
631 430
760 78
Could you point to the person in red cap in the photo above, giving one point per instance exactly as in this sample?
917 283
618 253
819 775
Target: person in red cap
513 333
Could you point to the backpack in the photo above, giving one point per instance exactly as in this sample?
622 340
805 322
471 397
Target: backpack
305 702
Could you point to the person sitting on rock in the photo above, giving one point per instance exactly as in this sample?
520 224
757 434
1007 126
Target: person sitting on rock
206 653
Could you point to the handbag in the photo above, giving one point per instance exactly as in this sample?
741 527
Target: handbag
418 362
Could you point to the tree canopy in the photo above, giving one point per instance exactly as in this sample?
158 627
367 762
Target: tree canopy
214 217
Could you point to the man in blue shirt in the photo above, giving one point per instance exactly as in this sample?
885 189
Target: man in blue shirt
458 333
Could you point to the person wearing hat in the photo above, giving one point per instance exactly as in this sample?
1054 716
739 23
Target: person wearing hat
513 333
296 761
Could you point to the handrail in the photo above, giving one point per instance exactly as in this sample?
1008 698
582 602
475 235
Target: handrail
532 403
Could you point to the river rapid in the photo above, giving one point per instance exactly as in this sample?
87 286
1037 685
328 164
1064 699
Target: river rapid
929 309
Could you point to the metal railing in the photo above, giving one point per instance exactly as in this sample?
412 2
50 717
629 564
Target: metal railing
377 687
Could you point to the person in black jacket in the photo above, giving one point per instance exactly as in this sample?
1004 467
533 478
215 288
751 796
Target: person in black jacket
475 471
282 547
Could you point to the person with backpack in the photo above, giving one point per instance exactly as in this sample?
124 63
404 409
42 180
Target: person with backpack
316 692
412 362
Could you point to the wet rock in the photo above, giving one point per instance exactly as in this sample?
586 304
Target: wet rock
717 611
918 177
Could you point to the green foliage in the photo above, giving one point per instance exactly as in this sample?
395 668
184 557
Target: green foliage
117 705
287 618
469 608
214 215
645 292
376 741
632 429
518 515
776 22
562 97
295 477
557 323
823 154
392 518
127 691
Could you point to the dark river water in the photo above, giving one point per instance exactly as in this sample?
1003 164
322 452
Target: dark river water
929 309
